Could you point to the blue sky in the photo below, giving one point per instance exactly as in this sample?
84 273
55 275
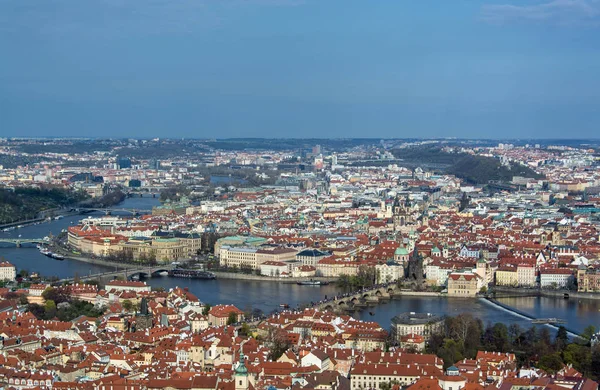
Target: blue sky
300 68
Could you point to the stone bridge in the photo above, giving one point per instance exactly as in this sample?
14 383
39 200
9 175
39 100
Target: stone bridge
359 299
128 274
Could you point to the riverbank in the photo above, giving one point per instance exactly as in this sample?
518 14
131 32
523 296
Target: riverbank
241 276
564 294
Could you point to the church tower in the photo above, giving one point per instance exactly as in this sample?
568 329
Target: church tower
143 319
241 375
401 213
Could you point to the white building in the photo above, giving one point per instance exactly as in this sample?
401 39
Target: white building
388 272
274 268
526 275
7 271
556 278
124 285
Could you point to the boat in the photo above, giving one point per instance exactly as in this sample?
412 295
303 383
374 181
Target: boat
164 273
312 283
45 252
57 256
284 306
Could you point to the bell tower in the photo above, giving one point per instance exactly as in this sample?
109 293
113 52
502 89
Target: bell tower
241 375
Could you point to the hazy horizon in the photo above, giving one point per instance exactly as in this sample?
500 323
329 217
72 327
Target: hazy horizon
484 69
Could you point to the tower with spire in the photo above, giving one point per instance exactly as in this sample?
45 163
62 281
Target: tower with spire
241 375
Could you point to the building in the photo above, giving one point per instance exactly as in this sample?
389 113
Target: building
423 324
412 341
143 319
274 268
507 276
389 272
557 278
252 258
526 275
125 285
464 284
588 280
311 256
219 315
7 271
372 376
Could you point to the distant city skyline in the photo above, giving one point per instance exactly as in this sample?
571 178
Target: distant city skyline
486 69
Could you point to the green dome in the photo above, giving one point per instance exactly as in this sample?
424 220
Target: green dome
241 369
401 251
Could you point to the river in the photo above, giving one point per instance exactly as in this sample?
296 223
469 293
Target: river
267 296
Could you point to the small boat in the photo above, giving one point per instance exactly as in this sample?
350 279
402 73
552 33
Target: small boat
312 283
57 256
284 306
46 252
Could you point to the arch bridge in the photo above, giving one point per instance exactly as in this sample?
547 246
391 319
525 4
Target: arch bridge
359 299
19 241
112 210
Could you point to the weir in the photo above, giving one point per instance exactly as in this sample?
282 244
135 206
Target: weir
571 332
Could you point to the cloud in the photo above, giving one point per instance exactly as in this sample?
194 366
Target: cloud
557 12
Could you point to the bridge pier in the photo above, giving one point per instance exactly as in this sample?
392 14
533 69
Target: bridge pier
18 244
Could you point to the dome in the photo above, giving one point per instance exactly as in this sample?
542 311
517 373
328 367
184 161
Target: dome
241 369
401 251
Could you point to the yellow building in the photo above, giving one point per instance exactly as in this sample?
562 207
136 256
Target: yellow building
507 276
465 284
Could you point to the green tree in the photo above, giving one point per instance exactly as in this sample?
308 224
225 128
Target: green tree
244 330
58 295
206 309
562 338
127 305
23 299
50 307
232 319
551 363
451 352
588 332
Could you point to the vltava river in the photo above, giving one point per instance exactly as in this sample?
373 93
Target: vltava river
267 296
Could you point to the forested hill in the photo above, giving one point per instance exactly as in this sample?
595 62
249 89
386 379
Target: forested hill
25 203
472 169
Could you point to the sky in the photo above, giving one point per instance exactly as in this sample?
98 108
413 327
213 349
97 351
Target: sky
300 68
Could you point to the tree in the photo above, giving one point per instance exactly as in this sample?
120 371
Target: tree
562 338
206 309
278 341
551 363
232 318
23 299
451 352
588 332
244 330
58 295
50 308
127 305
496 338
